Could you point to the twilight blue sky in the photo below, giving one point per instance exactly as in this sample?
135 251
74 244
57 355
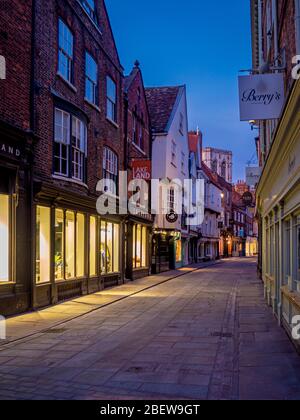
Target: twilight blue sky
198 43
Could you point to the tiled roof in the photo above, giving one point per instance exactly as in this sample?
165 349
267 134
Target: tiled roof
161 102
211 176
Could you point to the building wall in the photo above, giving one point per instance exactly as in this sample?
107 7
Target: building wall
215 159
49 86
15 46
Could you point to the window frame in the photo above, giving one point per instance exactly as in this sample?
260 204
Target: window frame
70 147
111 101
104 269
91 12
88 79
111 174
143 247
62 51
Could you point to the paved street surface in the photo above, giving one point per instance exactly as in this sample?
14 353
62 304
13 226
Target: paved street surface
205 335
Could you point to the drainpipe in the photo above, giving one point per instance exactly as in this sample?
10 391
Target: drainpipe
261 58
297 23
276 43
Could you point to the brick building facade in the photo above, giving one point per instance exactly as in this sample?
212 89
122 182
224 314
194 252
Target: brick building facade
16 143
138 148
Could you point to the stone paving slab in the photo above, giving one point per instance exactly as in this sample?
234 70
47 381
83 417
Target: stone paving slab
36 322
182 339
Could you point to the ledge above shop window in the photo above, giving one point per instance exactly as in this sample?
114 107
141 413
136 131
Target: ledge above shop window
91 104
69 84
73 181
116 125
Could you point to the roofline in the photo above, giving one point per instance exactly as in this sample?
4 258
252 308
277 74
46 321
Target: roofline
176 105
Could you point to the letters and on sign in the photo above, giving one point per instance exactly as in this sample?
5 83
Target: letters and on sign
261 96
141 169
10 150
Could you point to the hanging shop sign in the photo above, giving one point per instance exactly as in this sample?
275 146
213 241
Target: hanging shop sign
247 198
172 217
261 96
141 169
253 175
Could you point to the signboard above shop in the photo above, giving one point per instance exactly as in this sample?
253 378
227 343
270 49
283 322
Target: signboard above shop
141 169
261 96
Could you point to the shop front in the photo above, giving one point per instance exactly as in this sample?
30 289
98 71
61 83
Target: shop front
138 233
15 222
167 251
76 251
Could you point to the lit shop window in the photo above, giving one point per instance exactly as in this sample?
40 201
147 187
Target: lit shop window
80 245
69 245
109 247
139 246
178 251
93 245
59 245
42 244
4 238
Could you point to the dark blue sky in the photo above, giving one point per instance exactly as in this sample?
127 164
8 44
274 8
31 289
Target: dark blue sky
198 43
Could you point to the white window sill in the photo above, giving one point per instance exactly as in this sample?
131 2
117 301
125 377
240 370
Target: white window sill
71 180
112 122
69 84
91 104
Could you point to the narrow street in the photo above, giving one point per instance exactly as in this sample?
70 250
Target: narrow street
205 335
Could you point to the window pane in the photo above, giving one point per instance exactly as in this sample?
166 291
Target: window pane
138 246
4 237
80 254
111 90
103 248
59 244
42 244
116 248
70 245
93 222
91 68
134 246
109 248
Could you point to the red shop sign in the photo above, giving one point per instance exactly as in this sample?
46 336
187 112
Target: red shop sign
141 169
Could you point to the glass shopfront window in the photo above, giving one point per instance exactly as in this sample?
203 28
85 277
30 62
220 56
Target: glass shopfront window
80 244
109 247
70 245
139 246
178 251
93 246
59 245
69 254
4 238
42 244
